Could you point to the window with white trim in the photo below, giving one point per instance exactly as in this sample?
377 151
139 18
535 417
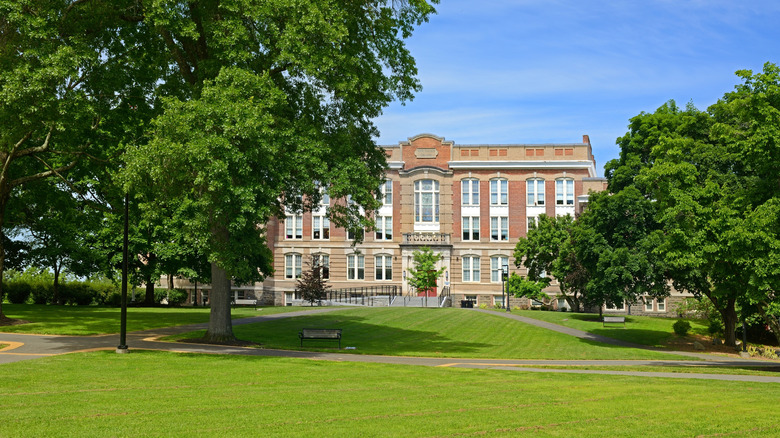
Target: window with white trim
470 192
322 261
533 222
356 264
470 269
661 304
292 265
470 225
293 225
386 192
320 227
325 199
535 191
497 267
499 192
426 201
648 304
498 300
353 234
383 267
499 228
564 191
616 308
384 228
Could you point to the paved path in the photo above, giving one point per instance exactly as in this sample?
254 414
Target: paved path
24 347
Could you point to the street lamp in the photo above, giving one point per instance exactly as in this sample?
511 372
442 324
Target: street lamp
504 279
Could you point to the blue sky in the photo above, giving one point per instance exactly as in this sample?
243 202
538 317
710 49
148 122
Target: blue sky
549 71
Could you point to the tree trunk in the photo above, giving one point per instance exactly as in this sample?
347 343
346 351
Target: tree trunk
220 329
149 297
2 261
170 281
729 316
56 292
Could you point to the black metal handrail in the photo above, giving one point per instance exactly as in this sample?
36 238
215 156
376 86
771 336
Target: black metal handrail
369 295
445 293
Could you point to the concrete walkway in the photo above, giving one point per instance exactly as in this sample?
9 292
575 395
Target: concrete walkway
25 347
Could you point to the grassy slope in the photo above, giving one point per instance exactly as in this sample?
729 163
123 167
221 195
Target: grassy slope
435 333
643 330
91 320
164 394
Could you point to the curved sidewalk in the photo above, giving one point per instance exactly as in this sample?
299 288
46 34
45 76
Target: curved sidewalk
34 346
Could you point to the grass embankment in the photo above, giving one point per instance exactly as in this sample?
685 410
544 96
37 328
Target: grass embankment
165 394
93 320
643 330
432 333
691 369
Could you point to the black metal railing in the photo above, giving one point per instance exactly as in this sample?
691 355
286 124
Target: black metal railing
445 293
365 296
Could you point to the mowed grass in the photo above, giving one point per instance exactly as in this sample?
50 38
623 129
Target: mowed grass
93 320
644 330
432 333
156 394
688 369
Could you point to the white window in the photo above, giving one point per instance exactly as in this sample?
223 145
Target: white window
292 266
470 228
470 192
535 191
648 304
325 200
621 307
386 192
564 192
533 222
294 226
661 303
499 228
356 264
384 228
383 265
322 261
320 227
471 269
497 267
352 235
498 300
499 192
426 201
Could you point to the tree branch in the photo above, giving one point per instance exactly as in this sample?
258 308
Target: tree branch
33 150
40 175
178 56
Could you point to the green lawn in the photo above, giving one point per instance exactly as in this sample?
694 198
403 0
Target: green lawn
93 320
644 330
432 333
697 369
154 394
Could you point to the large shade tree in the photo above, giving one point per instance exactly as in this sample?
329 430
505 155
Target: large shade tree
278 101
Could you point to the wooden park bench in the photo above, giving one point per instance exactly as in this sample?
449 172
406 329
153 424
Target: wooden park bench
614 320
321 334
243 302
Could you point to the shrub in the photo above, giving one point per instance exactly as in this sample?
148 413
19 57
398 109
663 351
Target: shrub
42 293
76 293
174 297
17 292
682 327
715 326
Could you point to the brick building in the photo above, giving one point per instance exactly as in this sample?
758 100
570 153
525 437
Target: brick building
469 203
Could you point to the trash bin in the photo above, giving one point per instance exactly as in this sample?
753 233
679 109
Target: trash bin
464 304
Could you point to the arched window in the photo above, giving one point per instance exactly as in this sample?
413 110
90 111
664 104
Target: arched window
469 189
535 191
292 265
383 267
564 191
470 266
321 261
356 267
426 201
496 267
499 192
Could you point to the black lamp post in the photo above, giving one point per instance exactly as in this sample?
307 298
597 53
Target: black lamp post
504 279
122 348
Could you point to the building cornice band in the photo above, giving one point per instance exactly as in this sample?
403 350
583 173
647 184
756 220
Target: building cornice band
583 164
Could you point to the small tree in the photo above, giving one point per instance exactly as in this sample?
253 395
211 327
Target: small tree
424 275
311 285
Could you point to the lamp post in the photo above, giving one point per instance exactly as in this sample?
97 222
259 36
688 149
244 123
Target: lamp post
122 348
504 279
